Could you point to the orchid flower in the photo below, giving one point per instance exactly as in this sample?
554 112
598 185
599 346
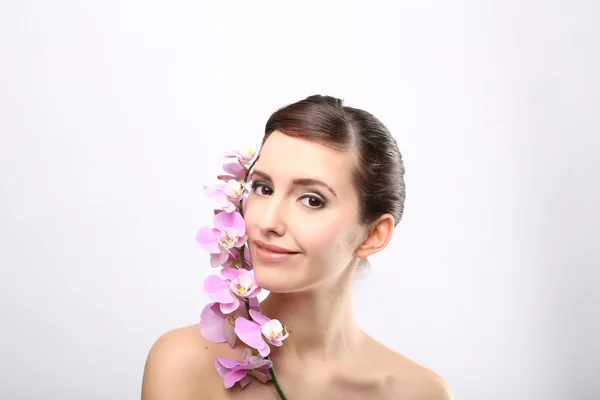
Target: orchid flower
233 371
228 288
233 170
245 156
215 326
234 292
261 332
223 196
229 231
234 260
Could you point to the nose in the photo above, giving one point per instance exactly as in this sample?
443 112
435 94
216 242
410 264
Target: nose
271 220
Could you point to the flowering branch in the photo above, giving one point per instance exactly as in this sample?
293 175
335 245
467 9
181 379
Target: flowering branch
235 289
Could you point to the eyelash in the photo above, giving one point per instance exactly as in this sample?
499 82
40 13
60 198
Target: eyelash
254 185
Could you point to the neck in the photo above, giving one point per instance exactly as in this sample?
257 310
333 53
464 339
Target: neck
320 322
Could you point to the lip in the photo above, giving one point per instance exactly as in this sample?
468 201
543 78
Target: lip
270 253
273 249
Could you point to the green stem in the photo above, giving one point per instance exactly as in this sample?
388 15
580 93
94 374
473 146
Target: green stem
247 303
276 383
243 262
271 370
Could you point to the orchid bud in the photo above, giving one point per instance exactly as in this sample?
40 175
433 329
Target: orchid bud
274 330
234 189
228 238
243 285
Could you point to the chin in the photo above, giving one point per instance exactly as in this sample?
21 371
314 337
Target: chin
283 279
274 278
286 276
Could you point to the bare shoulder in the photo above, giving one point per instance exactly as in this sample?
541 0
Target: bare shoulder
180 365
409 380
423 384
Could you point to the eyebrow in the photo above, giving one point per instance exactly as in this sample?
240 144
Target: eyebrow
298 181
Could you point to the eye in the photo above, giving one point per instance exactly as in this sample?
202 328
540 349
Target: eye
313 201
309 200
260 185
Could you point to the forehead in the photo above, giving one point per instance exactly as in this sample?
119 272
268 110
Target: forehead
290 157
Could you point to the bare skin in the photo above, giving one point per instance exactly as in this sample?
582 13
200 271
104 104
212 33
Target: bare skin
327 356
181 366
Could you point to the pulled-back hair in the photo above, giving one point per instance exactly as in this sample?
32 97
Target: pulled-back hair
379 173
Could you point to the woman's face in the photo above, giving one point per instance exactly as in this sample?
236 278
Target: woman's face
302 200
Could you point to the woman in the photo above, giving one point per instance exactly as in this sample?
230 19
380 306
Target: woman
327 192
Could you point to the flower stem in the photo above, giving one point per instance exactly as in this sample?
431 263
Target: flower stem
276 383
271 370
243 262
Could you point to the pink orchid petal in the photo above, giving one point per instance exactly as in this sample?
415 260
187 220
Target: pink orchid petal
261 363
247 256
231 273
265 350
230 207
232 377
263 376
249 332
229 263
234 258
229 332
224 177
216 195
233 220
219 258
219 199
207 240
232 154
230 363
233 170
254 304
218 289
212 323
258 317
233 167
245 381
240 225
228 308
223 220
241 240
221 370
246 354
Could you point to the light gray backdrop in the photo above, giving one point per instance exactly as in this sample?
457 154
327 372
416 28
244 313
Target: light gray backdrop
113 115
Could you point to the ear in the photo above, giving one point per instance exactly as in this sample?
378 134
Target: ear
378 236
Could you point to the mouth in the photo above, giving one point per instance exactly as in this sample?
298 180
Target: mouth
270 253
272 248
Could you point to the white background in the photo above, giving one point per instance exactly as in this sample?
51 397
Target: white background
113 115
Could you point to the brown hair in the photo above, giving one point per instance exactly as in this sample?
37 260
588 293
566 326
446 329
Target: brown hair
379 173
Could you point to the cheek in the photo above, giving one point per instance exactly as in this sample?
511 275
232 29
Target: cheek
324 237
